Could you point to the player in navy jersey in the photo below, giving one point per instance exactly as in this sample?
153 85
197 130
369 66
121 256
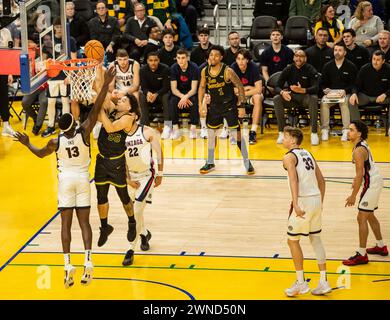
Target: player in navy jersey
249 74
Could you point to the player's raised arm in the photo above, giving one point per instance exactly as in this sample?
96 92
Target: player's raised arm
39 152
289 163
90 122
151 136
238 84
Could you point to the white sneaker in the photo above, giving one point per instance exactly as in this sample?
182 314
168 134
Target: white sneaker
322 288
233 140
8 131
224 133
193 133
203 133
314 139
87 275
176 134
166 134
96 130
280 138
297 289
325 135
344 137
69 274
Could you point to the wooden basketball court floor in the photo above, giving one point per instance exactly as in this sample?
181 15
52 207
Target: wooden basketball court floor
218 236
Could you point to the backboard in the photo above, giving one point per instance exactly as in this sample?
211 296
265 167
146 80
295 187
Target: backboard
41 40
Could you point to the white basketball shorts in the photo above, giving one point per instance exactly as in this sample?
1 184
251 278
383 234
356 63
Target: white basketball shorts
74 191
369 199
145 190
57 88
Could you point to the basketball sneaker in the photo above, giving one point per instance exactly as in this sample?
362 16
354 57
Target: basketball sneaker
87 274
166 134
233 141
250 170
145 241
129 258
314 139
48 132
344 137
69 274
325 135
252 137
378 250
297 289
176 134
322 288
203 133
104 233
356 260
35 130
8 131
132 231
208 167
193 132
224 133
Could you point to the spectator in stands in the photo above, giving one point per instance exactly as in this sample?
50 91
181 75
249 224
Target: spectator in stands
377 7
167 53
155 85
136 31
199 54
188 11
339 74
234 45
121 10
27 102
162 9
372 85
78 26
366 25
5 81
184 88
302 80
276 57
154 43
359 55
307 8
35 25
250 77
274 8
329 22
104 29
384 44
320 53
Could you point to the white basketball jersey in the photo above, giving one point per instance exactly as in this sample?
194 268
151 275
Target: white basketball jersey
372 175
124 79
139 157
306 171
73 154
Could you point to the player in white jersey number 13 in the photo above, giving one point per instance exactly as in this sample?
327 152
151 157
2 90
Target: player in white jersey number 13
73 158
142 178
307 186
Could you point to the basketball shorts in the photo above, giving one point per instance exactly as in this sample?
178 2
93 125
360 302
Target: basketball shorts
216 114
110 171
310 223
145 190
57 89
74 191
369 199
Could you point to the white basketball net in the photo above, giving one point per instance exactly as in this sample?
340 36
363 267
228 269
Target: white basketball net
81 81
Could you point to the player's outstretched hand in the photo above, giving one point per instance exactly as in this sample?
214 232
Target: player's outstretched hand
299 212
22 138
350 201
133 184
157 181
110 74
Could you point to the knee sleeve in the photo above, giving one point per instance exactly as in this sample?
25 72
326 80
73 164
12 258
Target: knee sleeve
318 248
123 195
102 192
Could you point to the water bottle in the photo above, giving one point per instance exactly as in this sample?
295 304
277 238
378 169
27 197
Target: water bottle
309 36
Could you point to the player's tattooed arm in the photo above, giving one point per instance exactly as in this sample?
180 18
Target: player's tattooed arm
238 84
39 152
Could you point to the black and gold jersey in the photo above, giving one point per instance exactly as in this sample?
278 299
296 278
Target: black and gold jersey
220 88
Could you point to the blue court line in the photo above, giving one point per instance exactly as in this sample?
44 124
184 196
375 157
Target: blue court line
150 281
187 255
29 241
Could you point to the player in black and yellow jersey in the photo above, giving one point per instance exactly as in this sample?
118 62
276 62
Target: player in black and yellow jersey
111 162
219 80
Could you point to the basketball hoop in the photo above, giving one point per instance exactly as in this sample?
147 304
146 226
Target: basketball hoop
81 72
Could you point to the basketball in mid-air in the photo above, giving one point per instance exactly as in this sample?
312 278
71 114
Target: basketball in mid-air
94 50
